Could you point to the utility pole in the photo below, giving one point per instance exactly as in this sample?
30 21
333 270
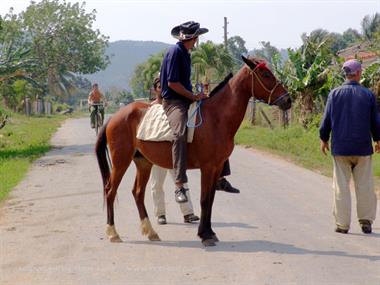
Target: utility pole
225 32
196 67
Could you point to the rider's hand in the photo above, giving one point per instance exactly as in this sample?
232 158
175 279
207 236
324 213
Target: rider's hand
200 96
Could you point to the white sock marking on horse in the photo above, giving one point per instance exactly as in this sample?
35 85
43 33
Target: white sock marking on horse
147 229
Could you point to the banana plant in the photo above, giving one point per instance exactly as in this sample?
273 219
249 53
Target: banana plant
307 73
371 77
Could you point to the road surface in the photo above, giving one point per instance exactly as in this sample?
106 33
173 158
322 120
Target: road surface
278 230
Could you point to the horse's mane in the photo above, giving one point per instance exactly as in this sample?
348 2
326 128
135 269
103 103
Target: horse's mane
221 84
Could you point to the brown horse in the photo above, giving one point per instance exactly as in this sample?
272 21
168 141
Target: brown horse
213 143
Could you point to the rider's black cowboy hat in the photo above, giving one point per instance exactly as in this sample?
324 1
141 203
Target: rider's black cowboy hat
188 31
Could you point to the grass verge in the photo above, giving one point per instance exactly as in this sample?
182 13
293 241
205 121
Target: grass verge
22 140
295 144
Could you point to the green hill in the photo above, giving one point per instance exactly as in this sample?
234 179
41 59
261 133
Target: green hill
125 55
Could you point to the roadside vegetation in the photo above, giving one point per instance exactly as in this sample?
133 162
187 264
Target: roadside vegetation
22 140
44 51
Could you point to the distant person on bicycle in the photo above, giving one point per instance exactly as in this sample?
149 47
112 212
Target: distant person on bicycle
96 97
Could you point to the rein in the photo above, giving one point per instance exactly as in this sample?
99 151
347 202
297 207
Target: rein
195 112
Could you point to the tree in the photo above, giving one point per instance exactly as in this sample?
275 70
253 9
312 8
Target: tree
336 42
152 69
124 97
211 61
267 52
370 25
63 42
137 82
236 47
351 36
316 36
15 60
333 41
16 64
144 75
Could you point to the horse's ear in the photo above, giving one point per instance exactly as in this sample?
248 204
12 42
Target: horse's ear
248 62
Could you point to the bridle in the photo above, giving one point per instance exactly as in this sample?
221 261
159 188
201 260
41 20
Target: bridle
254 74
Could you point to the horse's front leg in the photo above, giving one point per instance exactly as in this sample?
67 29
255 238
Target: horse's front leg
209 177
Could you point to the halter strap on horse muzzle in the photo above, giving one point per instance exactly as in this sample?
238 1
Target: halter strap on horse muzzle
269 102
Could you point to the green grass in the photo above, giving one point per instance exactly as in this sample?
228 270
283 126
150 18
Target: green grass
23 140
295 144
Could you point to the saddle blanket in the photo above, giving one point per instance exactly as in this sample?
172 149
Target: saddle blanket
155 125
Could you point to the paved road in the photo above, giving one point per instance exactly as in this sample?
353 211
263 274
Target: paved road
279 230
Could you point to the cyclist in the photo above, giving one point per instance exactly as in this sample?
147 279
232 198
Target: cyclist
96 97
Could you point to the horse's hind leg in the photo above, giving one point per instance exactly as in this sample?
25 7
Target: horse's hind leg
143 168
121 160
115 179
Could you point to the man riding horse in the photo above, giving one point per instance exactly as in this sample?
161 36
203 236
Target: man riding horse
212 144
177 96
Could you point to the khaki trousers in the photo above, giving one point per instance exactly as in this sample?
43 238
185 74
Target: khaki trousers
157 177
360 167
176 111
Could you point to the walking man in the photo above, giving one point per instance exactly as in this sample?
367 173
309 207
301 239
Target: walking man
157 179
352 117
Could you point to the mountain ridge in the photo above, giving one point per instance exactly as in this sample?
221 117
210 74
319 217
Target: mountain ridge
124 55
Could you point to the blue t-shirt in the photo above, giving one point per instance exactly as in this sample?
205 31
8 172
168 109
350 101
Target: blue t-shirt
176 67
352 117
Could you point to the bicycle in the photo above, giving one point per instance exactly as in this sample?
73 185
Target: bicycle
98 117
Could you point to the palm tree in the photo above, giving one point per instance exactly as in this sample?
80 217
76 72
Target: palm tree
211 61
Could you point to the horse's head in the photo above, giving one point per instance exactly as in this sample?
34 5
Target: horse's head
265 85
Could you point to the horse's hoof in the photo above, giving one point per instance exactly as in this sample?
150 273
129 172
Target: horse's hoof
115 239
112 234
208 242
215 238
154 237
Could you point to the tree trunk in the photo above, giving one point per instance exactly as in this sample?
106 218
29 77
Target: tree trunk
253 111
284 118
306 105
3 121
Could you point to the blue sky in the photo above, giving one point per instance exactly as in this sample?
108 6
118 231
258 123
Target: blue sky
280 22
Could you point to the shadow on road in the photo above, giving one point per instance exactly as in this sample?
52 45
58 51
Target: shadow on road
252 246
219 225
233 225
72 150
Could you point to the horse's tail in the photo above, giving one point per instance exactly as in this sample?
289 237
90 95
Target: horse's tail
101 155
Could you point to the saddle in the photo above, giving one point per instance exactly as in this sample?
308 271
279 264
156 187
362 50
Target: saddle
155 125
